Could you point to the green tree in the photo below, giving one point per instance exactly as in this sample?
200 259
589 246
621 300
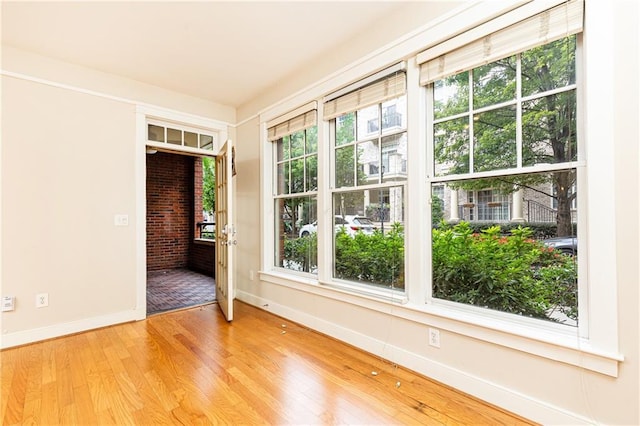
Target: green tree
300 175
348 173
208 184
548 123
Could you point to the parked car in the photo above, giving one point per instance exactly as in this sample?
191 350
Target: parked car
567 245
350 223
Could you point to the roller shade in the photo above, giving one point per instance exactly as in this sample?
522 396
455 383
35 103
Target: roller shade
294 121
544 27
385 88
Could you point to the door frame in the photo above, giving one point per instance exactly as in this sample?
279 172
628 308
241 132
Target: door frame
143 113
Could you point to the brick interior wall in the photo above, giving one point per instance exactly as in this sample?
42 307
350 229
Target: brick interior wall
169 210
202 258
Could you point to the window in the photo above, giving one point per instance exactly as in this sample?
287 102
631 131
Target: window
503 136
295 143
159 133
369 176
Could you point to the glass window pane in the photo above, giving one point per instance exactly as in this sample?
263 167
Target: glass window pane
282 181
191 139
155 133
368 122
296 239
312 140
451 146
494 139
174 136
368 162
285 148
394 114
394 157
297 175
549 67
206 142
369 237
345 163
451 95
494 83
549 129
311 173
345 128
280 147
526 265
297 144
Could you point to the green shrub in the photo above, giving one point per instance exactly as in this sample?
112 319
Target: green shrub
514 273
540 230
376 258
302 253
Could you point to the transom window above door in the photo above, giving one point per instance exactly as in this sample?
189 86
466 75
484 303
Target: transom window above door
180 138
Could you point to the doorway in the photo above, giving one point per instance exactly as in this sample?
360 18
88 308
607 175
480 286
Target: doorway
180 258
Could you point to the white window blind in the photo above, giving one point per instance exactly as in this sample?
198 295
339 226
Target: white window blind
385 88
294 121
544 27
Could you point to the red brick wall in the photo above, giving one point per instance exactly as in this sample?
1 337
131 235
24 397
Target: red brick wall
202 258
170 210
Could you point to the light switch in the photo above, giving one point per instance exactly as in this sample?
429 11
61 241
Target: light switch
121 220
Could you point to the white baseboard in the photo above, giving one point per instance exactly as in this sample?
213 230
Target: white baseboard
10 340
521 404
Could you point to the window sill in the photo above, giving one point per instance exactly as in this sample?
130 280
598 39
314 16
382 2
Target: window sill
547 341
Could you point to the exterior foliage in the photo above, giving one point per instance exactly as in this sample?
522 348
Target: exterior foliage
514 273
548 129
374 259
208 184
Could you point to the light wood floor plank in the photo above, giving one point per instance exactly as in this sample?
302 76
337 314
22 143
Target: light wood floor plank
192 367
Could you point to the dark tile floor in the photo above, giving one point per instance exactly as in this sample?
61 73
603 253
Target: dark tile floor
172 289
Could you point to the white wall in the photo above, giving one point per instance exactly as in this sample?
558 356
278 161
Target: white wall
70 162
537 387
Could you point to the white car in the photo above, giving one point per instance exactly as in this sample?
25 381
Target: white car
350 223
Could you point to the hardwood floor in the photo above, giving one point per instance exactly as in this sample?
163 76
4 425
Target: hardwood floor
191 367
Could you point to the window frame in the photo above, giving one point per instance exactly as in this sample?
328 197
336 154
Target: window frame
300 118
596 350
328 277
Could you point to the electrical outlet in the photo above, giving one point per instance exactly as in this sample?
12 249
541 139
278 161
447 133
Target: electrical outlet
251 275
42 300
434 337
8 303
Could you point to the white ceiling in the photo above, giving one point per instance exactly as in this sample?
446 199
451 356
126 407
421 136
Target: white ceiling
226 52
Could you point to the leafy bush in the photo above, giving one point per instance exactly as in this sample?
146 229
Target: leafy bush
540 230
301 254
376 259
511 273
515 273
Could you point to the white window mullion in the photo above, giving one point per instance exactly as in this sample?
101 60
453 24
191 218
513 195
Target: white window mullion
326 177
418 191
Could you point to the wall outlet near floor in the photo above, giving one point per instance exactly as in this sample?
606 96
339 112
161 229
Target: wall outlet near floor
251 275
42 300
434 337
